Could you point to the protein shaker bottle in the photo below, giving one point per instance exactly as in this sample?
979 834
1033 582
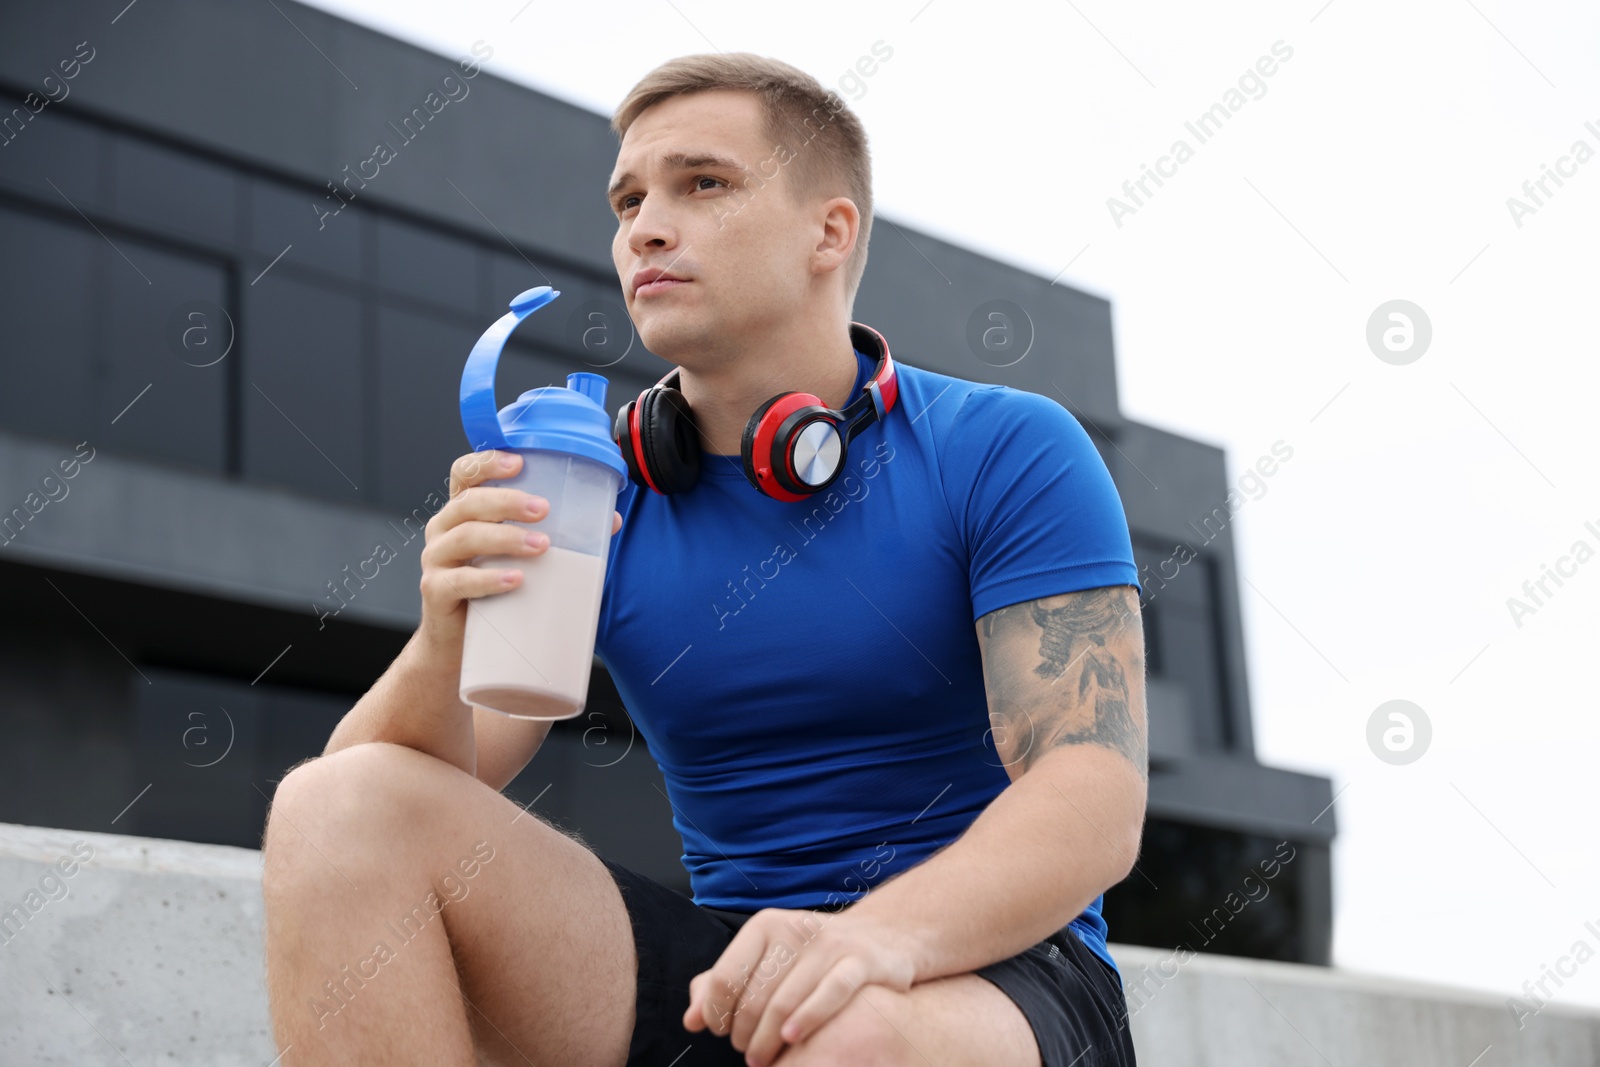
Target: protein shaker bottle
527 651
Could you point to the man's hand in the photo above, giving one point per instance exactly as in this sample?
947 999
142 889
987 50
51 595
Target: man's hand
787 972
474 523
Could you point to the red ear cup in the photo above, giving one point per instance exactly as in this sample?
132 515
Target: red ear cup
746 442
622 434
792 447
659 441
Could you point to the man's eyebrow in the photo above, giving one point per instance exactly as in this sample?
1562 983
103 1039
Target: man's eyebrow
679 160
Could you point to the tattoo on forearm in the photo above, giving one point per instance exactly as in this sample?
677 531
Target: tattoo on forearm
1079 636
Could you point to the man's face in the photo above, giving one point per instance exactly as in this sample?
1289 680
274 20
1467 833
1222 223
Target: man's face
698 192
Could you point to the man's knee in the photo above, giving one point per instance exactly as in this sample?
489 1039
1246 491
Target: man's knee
354 790
870 1029
308 782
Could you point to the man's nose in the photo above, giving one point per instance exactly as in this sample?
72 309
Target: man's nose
652 227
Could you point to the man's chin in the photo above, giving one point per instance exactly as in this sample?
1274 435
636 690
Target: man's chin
668 330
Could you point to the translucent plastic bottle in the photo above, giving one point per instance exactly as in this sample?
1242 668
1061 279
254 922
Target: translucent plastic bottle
527 651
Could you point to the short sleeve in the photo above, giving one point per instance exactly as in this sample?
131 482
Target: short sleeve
1036 507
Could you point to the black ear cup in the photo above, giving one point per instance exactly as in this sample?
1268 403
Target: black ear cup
669 440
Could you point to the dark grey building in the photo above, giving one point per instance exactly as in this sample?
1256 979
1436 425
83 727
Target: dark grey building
233 328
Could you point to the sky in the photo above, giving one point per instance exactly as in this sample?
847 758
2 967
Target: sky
1441 458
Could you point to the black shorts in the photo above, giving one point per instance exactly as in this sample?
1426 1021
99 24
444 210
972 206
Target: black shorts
1071 997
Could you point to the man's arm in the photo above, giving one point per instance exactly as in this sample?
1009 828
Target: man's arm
1065 682
416 703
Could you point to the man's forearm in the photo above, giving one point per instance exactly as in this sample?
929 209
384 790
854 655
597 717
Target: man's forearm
415 703
1039 854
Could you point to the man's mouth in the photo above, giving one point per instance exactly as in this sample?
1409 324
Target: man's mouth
651 280
659 286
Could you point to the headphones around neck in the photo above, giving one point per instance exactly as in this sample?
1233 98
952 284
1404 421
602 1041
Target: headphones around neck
794 445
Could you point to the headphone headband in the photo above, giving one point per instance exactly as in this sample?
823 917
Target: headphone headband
794 445
880 389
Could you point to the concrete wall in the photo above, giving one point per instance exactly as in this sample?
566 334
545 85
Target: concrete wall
153 955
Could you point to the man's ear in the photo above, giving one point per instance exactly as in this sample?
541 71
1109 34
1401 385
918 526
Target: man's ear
841 223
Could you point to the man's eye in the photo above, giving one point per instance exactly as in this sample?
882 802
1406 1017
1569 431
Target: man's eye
624 202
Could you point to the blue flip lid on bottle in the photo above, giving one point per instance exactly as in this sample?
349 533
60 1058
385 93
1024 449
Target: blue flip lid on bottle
552 418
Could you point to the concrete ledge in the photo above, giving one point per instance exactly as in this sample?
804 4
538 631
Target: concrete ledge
140 951
1222 1010
150 951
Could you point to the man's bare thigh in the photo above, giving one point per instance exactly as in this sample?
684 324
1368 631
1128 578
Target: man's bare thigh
539 932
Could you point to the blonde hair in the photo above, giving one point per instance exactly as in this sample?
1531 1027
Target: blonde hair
826 141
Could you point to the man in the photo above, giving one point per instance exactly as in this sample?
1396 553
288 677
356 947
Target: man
883 872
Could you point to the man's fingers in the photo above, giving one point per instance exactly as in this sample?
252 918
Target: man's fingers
446 587
474 467
803 993
843 982
721 1005
691 1017
784 974
728 979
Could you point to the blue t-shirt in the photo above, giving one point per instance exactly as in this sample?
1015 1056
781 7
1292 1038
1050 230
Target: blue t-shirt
807 675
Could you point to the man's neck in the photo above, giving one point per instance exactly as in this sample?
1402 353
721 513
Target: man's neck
724 396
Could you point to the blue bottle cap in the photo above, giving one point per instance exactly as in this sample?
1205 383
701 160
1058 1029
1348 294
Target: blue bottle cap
552 418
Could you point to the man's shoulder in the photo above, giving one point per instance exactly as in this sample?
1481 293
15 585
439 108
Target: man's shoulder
960 410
